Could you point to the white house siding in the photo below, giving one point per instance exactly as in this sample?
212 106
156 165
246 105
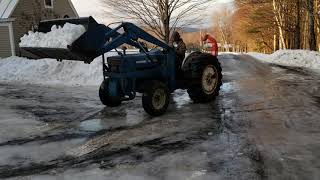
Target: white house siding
5 47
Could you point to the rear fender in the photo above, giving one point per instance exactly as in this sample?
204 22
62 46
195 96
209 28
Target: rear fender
194 64
196 58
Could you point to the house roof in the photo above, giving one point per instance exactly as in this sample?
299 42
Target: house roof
74 9
7 7
6 20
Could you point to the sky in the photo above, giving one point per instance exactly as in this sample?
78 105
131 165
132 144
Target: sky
94 8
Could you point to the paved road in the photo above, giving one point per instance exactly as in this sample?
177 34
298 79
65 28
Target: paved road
264 125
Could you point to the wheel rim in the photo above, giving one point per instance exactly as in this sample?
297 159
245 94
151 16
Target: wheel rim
209 79
159 99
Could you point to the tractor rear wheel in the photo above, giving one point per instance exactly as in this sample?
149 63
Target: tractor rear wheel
104 95
206 78
156 98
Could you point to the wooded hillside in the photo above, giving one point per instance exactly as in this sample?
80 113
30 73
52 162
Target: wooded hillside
269 25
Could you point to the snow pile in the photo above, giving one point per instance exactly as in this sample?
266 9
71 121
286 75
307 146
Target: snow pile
260 56
58 37
51 72
300 58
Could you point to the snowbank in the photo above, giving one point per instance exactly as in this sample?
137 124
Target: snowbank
300 58
51 72
58 37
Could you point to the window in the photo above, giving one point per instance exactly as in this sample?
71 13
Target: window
48 3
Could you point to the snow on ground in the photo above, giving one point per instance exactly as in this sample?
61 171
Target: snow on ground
58 37
300 58
51 72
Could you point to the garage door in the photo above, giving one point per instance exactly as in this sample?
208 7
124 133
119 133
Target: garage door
5 46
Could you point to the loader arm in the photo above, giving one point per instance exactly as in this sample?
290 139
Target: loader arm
132 34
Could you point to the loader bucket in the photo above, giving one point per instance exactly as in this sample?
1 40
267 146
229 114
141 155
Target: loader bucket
85 48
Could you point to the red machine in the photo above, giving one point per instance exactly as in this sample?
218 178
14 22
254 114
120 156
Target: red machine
214 45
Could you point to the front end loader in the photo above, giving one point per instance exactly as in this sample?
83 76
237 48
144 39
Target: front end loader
150 72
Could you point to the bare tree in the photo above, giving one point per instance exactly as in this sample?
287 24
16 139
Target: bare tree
223 24
298 26
158 16
313 37
279 16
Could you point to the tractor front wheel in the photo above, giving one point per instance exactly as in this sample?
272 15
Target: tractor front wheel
155 99
104 95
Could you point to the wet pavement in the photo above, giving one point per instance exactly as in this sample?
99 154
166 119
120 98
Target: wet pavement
264 125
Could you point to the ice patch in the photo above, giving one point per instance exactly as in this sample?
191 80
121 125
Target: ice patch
93 125
181 98
58 37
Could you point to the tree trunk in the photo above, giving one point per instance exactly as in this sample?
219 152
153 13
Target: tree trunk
305 33
275 42
279 22
317 23
318 32
313 38
166 25
165 20
297 33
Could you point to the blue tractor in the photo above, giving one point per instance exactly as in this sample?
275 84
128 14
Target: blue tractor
149 72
